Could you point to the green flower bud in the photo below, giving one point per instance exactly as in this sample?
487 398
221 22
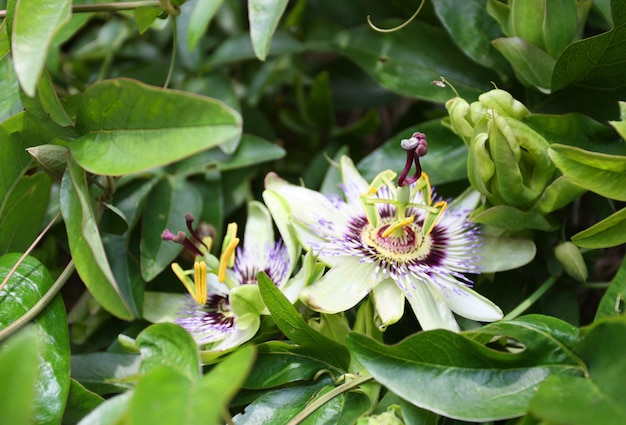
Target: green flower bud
387 418
458 109
502 103
572 261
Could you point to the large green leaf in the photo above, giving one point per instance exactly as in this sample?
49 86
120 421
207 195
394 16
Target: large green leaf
613 301
264 16
87 249
450 374
24 289
595 62
598 398
18 370
445 162
166 396
408 61
168 203
34 24
167 344
295 328
22 212
601 173
128 126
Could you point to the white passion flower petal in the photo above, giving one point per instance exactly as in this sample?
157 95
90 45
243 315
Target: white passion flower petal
388 302
353 184
342 287
468 303
259 231
430 307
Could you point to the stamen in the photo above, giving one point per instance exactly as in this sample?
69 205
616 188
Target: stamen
199 268
182 275
227 258
431 220
397 225
182 239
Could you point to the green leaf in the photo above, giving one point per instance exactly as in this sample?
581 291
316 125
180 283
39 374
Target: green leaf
595 62
532 65
613 302
32 35
169 201
10 101
128 127
203 12
5 44
279 406
295 328
165 396
607 233
239 48
24 289
105 373
343 409
86 246
264 16
472 29
22 212
408 61
445 162
567 399
251 151
479 383
168 344
280 363
80 402
620 126
46 105
19 367
111 412
558 194
145 16
600 173
513 219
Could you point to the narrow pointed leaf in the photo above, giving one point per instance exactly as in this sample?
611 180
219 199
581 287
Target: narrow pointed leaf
295 328
607 233
86 246
613 302
34 24
264 16
128 127
598 172
203 12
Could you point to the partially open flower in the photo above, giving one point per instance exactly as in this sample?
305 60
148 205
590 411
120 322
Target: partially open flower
225 305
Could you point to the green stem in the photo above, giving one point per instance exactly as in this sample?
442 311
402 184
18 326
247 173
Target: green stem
524 305
106 7
318 402
41 304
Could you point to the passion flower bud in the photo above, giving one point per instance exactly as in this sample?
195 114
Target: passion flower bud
572 261
459 123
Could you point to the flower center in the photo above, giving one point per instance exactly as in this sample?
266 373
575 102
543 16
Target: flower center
406 244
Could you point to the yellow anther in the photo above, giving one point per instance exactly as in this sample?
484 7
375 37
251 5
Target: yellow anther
397 225
183 276
428 193
432 219
227 259
199 268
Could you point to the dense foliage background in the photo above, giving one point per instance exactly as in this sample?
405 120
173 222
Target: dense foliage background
98 159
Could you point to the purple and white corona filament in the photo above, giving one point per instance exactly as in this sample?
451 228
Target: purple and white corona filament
395 242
